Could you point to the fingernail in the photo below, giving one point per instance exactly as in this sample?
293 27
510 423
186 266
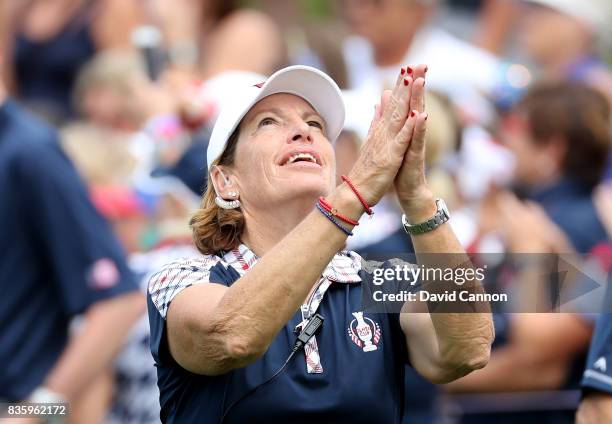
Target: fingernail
412 113
426 68
409 70
424 83
402 71
426 116
405 82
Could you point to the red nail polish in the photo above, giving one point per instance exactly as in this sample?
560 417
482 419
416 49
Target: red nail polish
405 82
402 71
412 113
409 70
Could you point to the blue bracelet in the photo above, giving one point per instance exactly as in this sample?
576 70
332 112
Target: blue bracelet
334 221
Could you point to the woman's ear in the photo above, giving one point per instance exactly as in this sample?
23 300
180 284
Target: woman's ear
224 183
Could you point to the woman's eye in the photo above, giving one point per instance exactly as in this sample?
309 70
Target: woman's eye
315 124
266 121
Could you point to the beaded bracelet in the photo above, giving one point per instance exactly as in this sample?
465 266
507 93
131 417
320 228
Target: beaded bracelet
329 216
367 207
329 208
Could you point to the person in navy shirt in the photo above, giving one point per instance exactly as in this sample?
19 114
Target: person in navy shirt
596 383
559 134
59 260
224 324
596 405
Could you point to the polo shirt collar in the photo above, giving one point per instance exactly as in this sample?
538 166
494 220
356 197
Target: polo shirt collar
343 268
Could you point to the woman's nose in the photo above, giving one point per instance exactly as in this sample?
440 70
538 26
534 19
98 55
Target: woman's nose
301 132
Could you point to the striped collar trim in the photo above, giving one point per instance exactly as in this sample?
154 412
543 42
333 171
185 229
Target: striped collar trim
343 268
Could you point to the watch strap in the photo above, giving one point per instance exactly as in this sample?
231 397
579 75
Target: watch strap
440 217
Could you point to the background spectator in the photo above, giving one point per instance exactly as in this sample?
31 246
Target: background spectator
559 134
48 41
60 260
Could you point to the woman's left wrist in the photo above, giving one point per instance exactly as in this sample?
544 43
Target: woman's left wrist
418 206
346 202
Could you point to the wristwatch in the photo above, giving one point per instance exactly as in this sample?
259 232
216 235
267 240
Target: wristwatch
57 406
441 216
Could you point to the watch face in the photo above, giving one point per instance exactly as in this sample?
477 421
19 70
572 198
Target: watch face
405 221
442 206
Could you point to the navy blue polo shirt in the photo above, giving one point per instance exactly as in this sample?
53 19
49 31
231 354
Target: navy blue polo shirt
598 371
58 255
569 203
349 381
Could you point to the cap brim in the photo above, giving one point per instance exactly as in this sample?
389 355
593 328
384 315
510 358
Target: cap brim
314 86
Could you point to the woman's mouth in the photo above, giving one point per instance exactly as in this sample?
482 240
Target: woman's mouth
301 159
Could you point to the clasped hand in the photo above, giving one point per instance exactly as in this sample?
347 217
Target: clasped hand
394 149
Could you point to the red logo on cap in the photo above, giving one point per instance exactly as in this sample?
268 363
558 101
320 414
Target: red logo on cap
259 84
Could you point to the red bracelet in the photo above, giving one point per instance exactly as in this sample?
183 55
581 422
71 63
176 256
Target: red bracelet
329 208
367 207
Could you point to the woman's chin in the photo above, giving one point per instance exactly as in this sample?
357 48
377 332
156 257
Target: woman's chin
306 187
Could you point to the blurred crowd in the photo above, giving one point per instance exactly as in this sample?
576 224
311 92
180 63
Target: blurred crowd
518 144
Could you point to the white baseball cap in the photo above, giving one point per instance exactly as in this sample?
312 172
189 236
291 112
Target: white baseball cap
311 84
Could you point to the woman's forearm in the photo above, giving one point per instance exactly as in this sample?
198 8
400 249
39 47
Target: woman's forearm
464 332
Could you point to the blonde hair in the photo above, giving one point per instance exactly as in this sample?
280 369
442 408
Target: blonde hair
101 155
215 229
120 72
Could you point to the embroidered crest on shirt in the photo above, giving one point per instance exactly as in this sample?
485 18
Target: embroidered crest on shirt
364 332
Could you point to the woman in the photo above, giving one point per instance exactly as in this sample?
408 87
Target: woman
223 325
